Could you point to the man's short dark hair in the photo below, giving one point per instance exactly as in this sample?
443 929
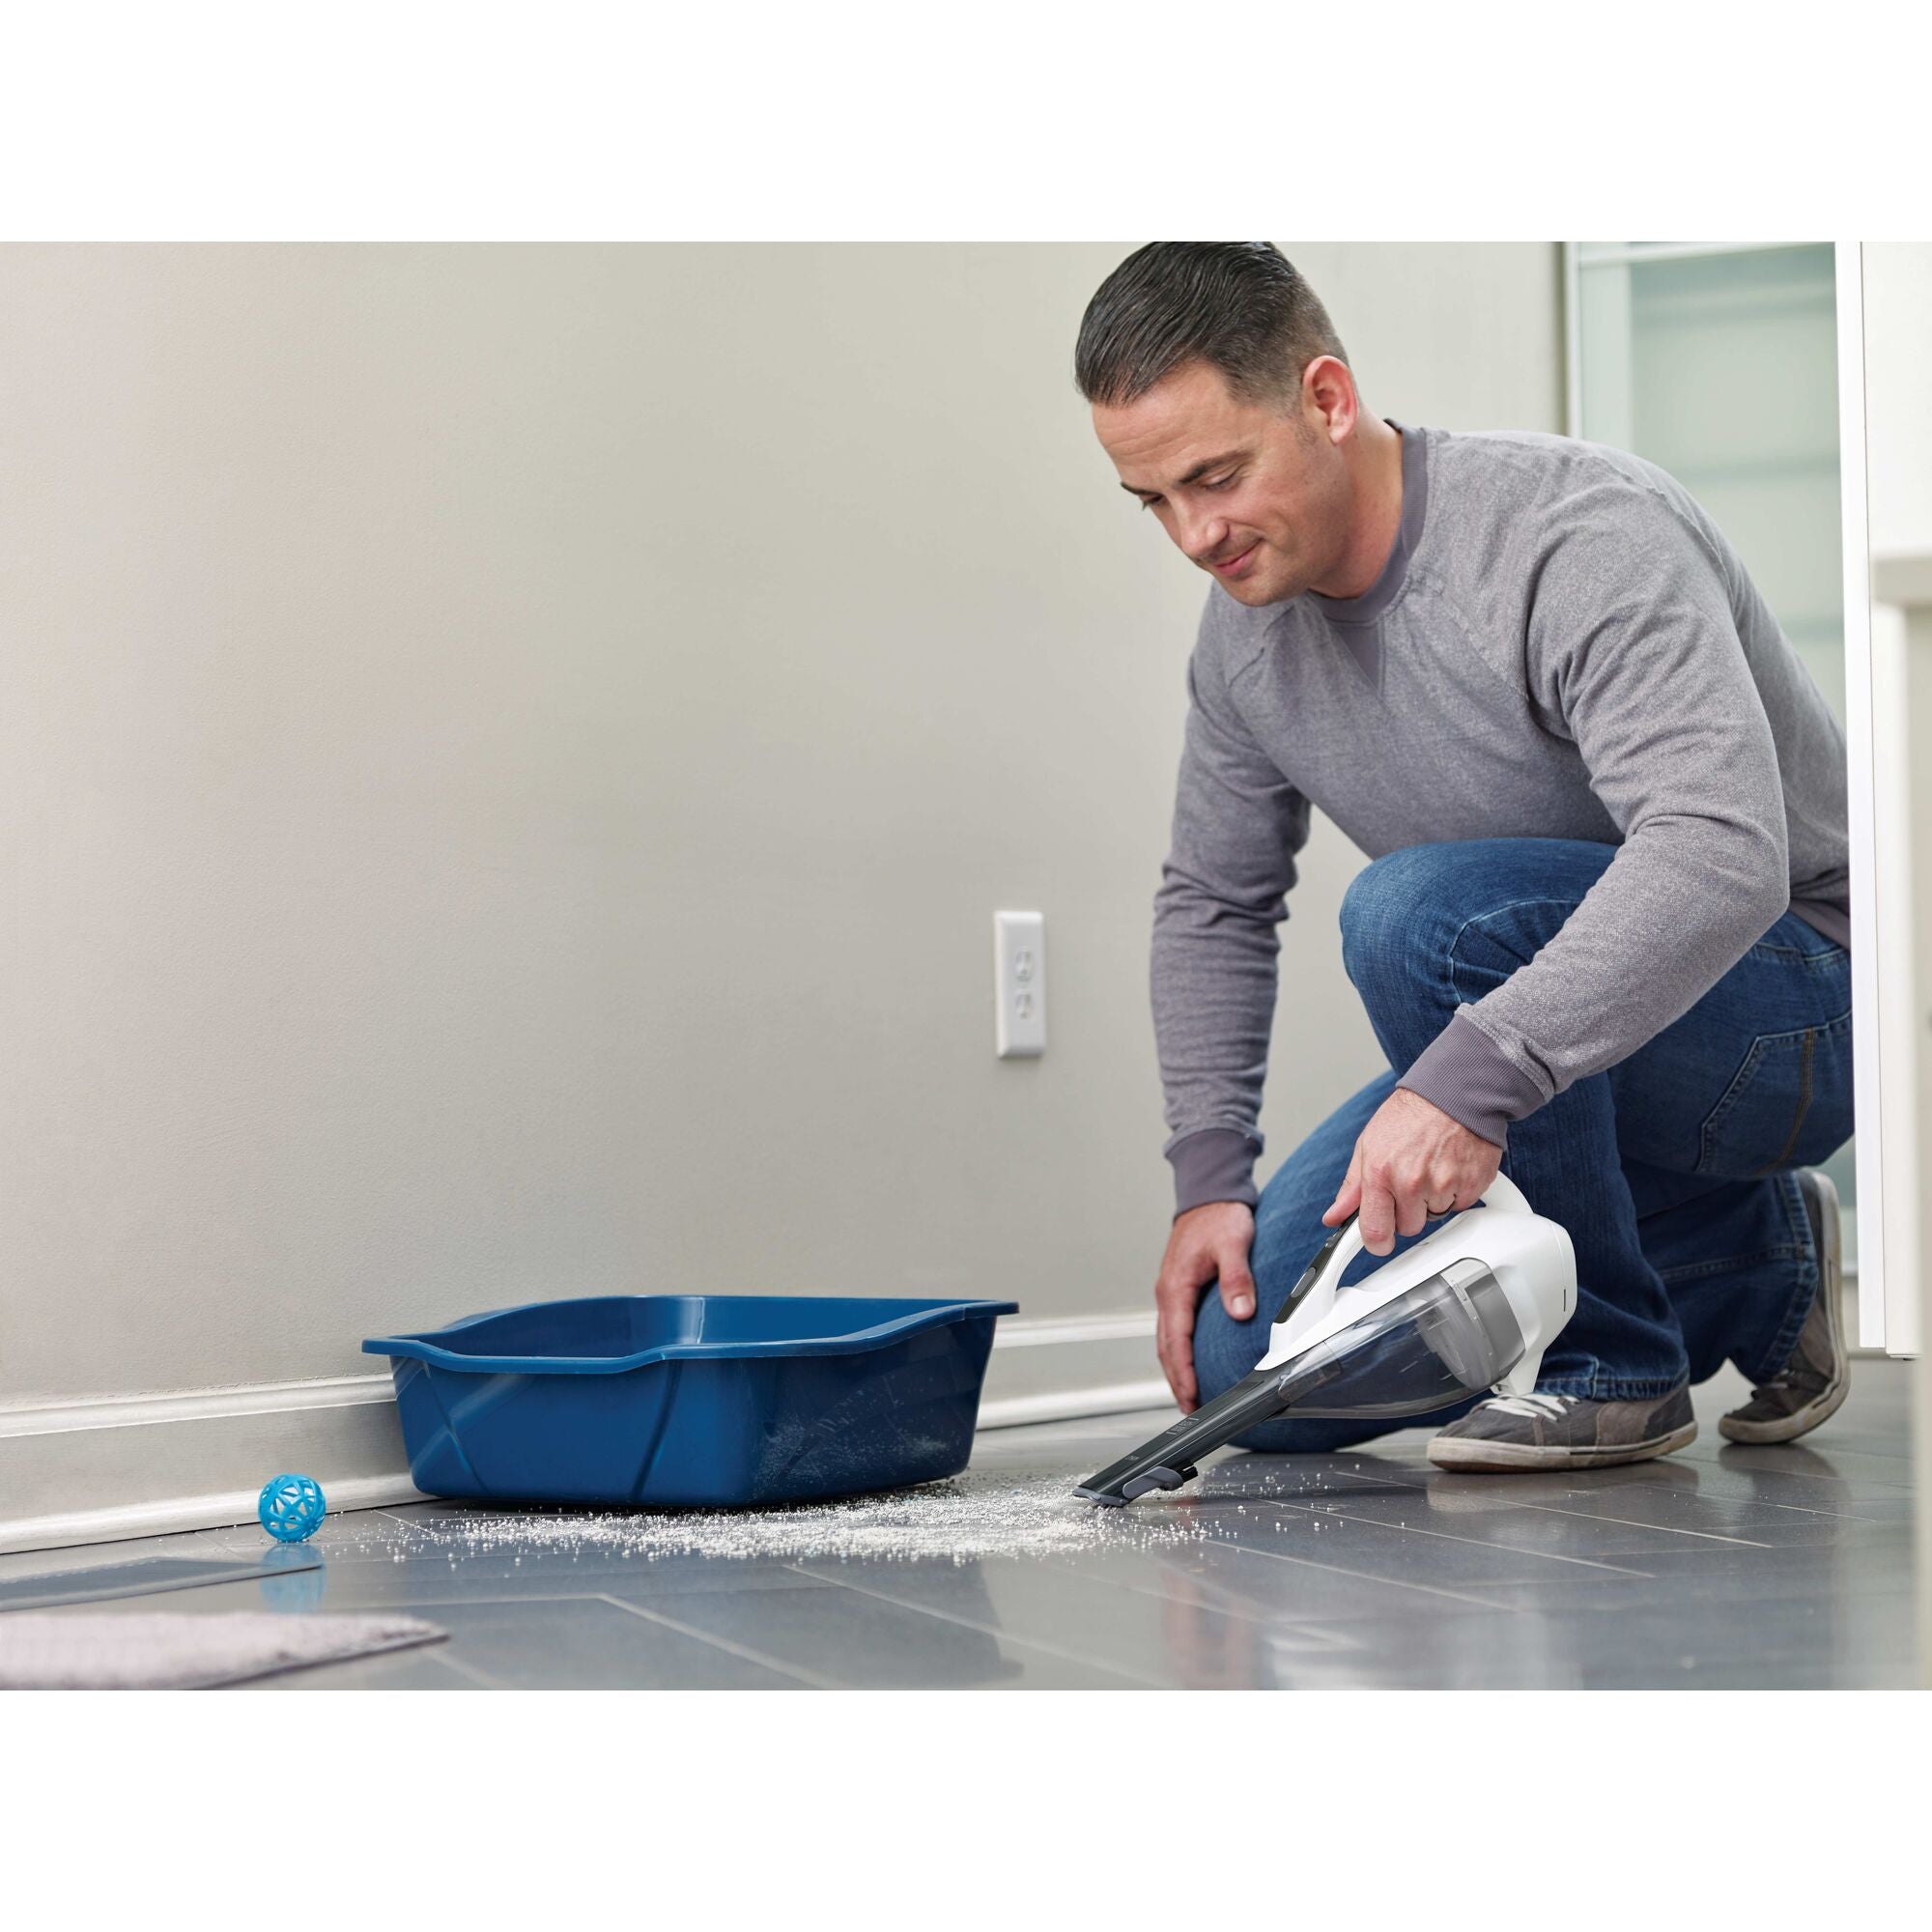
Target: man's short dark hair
1240 305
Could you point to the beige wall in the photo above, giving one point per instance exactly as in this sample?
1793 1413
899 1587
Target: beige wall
510 755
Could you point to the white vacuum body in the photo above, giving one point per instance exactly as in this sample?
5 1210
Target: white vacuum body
1471 1306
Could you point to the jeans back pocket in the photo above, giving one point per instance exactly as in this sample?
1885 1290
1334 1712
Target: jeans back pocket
1789 1104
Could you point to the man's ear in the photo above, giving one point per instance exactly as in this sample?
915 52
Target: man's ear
1329 389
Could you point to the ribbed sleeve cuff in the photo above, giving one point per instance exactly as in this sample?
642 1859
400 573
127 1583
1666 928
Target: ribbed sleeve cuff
1215 1164
1465 1072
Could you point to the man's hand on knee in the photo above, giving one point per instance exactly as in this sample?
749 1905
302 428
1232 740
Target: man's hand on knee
1208 1244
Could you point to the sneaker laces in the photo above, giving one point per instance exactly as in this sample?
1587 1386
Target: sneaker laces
1548 1407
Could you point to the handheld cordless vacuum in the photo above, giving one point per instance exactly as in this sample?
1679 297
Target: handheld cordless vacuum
1471 1306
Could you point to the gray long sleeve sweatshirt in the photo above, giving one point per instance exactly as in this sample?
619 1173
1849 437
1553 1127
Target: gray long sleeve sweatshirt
1561 645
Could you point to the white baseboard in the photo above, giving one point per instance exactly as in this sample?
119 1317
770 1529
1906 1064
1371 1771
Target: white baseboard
182 1513
1071 1404
107 1471
103 1471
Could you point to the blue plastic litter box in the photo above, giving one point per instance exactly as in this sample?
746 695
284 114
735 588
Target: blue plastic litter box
710 1400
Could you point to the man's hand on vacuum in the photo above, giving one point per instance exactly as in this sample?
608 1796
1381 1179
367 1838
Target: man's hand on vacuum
1209 1242
1411 1162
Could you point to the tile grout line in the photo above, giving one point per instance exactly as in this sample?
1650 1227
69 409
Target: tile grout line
1806 1509
1882 1491
809 1678
1622 1521
992 1631
477 1679
1692 1458
1654 1528
1476 1542
493 1602
1367 1576
1238 1612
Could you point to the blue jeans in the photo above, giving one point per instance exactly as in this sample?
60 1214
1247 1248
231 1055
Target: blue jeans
1671 1171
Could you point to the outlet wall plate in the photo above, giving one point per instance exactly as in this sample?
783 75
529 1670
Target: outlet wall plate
1019 984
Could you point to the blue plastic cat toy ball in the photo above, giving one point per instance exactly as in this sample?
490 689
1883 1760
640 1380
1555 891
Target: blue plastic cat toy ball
291 1508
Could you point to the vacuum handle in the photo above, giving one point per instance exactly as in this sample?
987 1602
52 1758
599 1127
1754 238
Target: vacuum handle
1323 1274
1504 1192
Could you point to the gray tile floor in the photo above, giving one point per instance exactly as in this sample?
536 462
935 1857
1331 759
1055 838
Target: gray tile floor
1718 1567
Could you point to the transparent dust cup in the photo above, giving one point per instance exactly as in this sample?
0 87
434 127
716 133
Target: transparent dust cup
1448 1337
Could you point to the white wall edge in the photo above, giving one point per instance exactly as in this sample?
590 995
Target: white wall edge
1867 817
1573 341
1073 1404
193 1404
1060 1330
235 1508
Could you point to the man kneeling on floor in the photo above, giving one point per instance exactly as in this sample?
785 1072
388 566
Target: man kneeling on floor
1604 930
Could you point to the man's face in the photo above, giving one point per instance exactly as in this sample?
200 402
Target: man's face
1255 495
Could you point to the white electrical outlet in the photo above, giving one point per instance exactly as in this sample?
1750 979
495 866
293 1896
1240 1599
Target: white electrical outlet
1019 983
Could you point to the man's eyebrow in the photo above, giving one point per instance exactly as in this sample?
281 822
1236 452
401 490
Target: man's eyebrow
1194 476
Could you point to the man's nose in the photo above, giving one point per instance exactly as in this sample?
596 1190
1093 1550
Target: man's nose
1202 541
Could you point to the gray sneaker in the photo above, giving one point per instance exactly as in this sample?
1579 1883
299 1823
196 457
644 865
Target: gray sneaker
1563 1432
1813 1382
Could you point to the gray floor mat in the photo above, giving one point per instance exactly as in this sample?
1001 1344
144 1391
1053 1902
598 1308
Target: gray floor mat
160 1652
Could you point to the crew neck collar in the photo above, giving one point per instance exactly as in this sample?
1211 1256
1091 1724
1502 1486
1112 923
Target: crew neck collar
1383 591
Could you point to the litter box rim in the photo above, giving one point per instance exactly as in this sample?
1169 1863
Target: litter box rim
917 1316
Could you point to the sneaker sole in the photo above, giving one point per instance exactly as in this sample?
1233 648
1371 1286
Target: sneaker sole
1735 1427
1461 1452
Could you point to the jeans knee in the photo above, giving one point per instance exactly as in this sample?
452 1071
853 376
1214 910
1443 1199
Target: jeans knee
1361 902
1389 895
1225 1350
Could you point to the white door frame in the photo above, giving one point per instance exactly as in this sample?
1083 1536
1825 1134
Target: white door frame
1878 769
